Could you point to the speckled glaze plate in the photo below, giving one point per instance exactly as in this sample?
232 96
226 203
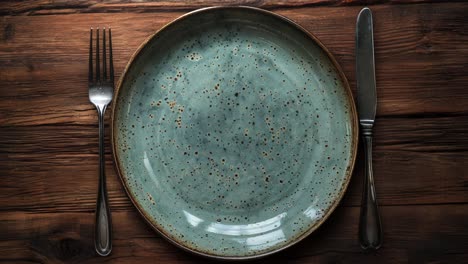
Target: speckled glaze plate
234 132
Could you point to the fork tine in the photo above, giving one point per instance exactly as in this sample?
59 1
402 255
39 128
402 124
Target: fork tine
111 60
104 64
98 64
90 68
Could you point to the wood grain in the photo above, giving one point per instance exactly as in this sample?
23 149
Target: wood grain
48 130
47 7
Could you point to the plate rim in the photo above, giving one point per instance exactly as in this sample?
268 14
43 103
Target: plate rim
348 172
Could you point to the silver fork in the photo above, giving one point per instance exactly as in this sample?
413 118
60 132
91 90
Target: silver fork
101 90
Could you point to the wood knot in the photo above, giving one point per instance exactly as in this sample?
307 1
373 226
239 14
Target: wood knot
64 249
8 32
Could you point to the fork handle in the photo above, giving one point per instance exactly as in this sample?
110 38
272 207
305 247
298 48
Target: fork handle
370 229
102 237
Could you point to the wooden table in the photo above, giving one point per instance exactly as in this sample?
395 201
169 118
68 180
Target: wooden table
49 141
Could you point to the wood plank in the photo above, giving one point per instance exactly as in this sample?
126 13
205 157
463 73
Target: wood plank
420 56
416 161
46 7
412 234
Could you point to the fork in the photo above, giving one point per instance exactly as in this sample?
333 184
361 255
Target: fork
101 91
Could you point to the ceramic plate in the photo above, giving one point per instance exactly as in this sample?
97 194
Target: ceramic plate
234 132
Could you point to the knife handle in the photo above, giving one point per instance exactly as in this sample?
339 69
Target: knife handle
370 229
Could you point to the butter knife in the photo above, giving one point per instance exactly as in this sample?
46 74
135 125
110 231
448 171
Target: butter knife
370 230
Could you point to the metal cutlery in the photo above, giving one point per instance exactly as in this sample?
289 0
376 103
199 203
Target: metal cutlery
370 230
101 91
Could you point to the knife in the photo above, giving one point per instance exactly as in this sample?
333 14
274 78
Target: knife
370 230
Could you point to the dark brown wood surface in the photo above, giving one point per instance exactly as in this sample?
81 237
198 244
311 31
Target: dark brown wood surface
49 143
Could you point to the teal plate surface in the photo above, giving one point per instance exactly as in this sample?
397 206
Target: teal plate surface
234 132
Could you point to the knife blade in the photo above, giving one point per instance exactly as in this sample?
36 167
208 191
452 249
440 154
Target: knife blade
370 230
365 69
